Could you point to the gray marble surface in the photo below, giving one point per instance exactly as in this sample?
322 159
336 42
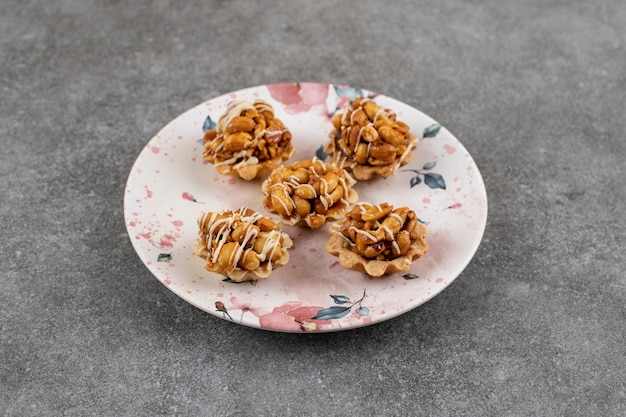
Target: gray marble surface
535 90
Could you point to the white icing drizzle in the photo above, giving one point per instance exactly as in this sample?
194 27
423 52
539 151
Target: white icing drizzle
287 190
395 246
396 216
326 201
364 207
341 160
281 185
253 160
364 233
347 239
344 117
241 154
272 133
387 231
358 138
323 186
234 109
378 113
310 187
283 204
262 106
344 185
293 181
408 149
251 233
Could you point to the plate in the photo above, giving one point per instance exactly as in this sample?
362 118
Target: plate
169 186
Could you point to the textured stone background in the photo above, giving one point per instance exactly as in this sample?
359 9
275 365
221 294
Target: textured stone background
535 90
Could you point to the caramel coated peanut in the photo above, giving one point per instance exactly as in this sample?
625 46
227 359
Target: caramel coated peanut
302 164
302 175
373 213
209 135
267 114
391 136
225 261
372 251
361 154
282 203
392 222
302 206
315 182
410 225
371 109
260 126
383 122
285 174
263 154
362 242
240 232
403 239
276 253
250 113
319 207
327 202
259 244
353 136
357 102
239 124
400 150
318 167
305 191
402 127
337 194
275 177
329 182
355 213
215 143
273 125
369 134
336 120
359 117
260 144
236 141
403 212
384 152
250 261
378 162
316 220
265 224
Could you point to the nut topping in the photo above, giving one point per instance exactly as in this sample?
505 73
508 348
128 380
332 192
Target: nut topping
248 141
311 191
368 141
377 239
243 245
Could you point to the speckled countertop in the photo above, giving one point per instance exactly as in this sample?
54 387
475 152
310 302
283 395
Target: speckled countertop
534 326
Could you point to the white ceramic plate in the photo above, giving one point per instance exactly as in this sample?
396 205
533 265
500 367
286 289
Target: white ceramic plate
169 186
